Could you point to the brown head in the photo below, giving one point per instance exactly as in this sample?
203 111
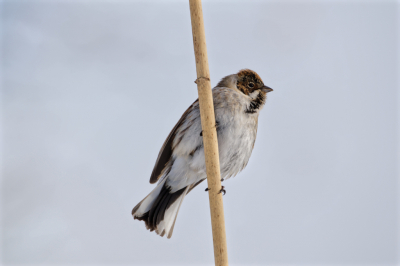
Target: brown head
249 81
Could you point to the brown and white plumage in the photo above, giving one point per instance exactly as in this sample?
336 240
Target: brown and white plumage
180 164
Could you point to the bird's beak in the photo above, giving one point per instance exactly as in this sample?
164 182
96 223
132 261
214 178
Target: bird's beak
266 89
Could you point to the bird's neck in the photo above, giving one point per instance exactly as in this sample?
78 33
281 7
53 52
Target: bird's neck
256 103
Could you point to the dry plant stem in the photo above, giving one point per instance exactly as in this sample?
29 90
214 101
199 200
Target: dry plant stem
209 134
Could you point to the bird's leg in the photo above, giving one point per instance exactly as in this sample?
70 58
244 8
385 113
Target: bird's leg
222 180
207 189
222 190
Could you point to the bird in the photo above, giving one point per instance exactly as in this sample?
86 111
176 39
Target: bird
180 165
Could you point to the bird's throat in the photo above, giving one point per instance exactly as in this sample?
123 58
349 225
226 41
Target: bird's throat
256 103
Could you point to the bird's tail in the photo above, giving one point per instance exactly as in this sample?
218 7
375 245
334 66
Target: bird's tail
160 208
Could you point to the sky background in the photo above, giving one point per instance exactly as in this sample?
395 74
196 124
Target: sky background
91 90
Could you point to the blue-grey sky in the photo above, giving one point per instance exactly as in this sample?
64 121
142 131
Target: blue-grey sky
91 90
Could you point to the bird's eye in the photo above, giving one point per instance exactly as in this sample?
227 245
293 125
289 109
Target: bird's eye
251 85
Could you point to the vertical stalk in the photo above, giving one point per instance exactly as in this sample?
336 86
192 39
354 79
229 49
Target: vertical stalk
209 134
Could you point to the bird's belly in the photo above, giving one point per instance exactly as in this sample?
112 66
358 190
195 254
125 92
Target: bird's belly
235 144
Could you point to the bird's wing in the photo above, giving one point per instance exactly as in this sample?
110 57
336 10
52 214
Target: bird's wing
166 150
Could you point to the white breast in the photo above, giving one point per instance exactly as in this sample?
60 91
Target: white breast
236 131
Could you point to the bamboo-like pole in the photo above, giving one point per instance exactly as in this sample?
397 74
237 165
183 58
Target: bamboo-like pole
209 134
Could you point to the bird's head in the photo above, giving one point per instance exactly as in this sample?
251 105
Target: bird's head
249 81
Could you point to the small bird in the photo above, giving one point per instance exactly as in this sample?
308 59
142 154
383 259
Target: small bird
180 164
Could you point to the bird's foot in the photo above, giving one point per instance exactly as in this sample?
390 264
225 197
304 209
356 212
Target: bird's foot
222 180
222 190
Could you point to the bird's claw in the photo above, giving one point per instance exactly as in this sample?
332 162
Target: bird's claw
222 190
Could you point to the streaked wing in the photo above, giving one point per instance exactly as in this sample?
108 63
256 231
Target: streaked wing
166 150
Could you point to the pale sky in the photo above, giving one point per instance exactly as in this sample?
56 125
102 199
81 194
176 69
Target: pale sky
91 90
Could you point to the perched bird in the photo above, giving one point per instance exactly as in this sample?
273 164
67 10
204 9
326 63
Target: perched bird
180 165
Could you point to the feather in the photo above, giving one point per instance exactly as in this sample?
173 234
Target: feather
166 150
180 164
